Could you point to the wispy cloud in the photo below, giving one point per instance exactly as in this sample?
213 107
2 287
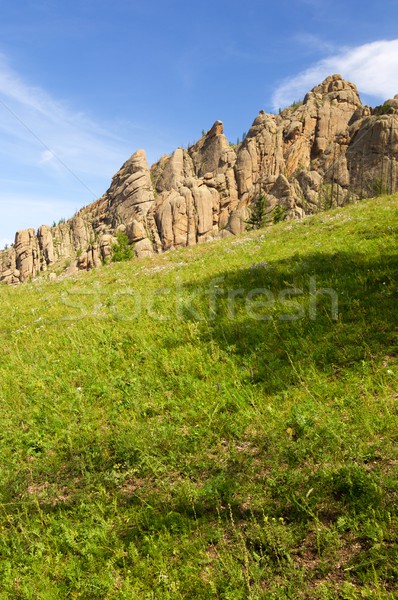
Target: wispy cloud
315 43
41 130
373 67
46 142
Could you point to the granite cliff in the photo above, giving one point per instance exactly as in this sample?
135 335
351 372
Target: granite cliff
322 152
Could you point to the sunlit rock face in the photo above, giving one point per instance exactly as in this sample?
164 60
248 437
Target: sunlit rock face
322 152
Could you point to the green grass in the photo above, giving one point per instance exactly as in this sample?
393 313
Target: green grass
165 438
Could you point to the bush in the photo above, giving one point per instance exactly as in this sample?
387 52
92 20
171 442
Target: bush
279 213
378 187
385 109
122 250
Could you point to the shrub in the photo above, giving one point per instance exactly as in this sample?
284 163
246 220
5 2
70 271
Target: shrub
296 103
279 213
378 187
121 250
385 109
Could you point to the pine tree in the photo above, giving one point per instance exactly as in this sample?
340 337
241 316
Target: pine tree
258 213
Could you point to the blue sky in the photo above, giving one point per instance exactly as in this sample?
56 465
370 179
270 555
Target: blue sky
85 83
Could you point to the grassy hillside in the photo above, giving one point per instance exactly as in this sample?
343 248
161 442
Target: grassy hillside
217 422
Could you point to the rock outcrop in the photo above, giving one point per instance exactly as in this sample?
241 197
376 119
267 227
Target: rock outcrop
316 154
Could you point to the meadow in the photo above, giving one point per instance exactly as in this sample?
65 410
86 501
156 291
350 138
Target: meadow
216 422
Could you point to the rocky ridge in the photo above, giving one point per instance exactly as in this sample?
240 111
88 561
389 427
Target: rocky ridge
322 152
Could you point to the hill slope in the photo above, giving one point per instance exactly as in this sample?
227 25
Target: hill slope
215 422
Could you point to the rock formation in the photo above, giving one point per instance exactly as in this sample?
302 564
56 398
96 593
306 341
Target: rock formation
322 152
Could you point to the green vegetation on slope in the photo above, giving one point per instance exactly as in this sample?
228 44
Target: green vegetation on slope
217 422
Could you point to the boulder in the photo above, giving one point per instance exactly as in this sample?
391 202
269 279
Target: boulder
143 249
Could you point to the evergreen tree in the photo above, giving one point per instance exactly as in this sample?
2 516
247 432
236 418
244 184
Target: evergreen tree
258 213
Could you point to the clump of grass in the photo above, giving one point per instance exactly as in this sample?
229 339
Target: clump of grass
202 425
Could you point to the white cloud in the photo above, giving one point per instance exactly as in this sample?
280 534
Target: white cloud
51 151
315 43
40 131
372 67
47 156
